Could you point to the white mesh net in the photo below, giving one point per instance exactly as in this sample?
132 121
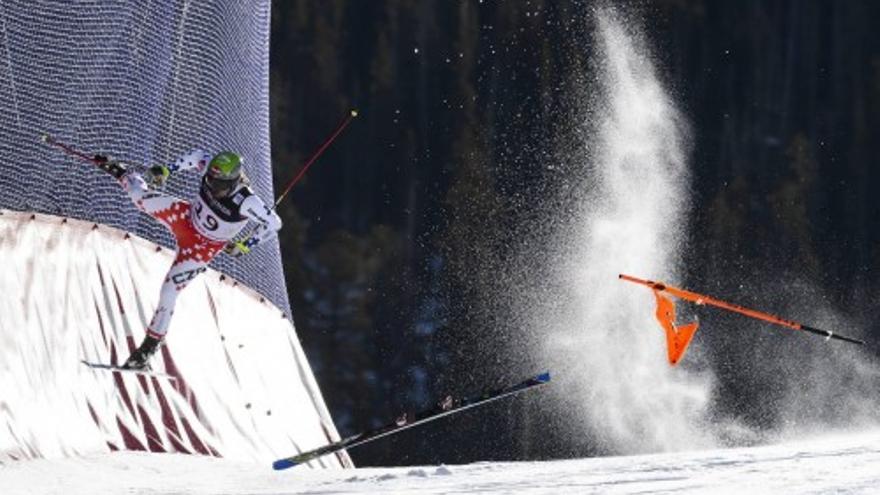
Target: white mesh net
143 81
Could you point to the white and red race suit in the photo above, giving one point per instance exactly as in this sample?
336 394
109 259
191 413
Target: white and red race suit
201 227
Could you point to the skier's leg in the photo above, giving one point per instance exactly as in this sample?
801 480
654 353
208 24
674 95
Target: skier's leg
178 277
182 272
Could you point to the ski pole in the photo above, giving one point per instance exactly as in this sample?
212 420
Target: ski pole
116 168
245 243
336 132
70 150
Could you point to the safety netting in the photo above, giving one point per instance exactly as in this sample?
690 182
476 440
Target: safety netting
143 81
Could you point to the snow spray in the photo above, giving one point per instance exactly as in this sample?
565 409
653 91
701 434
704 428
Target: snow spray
632 218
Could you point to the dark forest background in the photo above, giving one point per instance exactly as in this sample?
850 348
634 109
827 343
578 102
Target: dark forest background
393 240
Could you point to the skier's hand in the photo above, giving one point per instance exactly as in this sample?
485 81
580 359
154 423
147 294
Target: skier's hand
158 174
236 249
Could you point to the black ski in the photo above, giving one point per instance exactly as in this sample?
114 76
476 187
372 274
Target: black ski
408 420
115 368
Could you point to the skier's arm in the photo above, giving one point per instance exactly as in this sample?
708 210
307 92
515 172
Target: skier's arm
197 159
158 174
268 222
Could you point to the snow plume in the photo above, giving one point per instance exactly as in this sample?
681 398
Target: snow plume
633 208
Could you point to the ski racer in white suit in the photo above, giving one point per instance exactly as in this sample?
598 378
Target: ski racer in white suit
202 227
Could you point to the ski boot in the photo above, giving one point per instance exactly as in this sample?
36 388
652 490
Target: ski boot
113 168
140 356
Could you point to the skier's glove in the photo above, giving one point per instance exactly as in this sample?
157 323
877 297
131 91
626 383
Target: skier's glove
158 174
236 249
110 166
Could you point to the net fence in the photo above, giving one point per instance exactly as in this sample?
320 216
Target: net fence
143 81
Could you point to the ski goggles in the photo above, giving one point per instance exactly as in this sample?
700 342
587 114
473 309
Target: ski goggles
220 187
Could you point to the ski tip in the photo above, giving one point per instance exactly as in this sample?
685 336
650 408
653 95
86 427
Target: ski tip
283 464
45 137
543 377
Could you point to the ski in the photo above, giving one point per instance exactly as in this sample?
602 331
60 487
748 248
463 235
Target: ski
408 420
116 368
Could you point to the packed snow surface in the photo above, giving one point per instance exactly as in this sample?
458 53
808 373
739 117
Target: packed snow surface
846 463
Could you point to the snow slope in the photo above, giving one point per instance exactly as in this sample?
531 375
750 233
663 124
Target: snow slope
840 464
73 290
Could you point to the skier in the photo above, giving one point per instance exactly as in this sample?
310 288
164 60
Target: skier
202 227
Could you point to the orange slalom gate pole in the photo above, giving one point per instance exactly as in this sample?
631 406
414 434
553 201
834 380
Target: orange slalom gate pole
736 308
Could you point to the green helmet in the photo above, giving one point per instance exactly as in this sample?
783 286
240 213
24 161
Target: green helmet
224 173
